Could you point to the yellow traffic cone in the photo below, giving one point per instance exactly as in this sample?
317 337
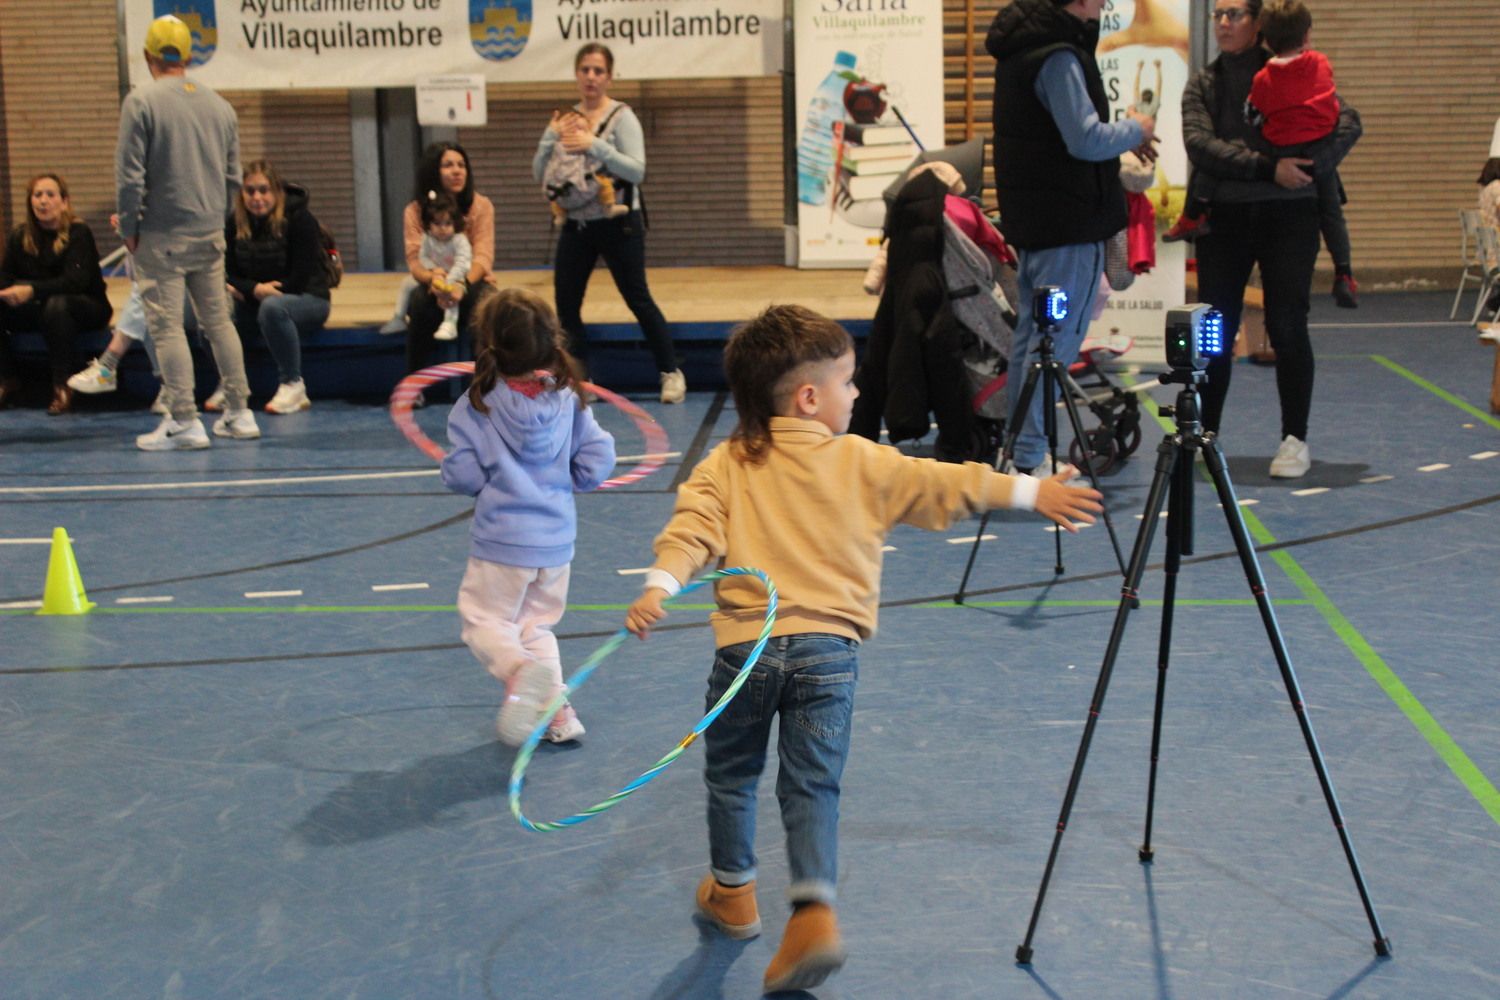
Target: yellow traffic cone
64 593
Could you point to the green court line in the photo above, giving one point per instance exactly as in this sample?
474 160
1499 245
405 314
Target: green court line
1238 602
1442 394
1437 737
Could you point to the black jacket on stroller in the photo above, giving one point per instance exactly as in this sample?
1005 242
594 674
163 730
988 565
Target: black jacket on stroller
913 364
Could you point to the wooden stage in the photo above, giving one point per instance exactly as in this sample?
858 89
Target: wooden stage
704 297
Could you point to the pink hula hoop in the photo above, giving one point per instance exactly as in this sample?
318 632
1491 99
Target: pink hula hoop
407 390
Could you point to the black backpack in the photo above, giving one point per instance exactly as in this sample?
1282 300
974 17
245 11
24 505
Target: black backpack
333 264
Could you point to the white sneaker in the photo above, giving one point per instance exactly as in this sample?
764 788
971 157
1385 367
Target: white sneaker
446 331
237 424
673 386
94 379
564 726
530 690
173 436
1489 332
159 405
393 326
215 401
290 397
1292 459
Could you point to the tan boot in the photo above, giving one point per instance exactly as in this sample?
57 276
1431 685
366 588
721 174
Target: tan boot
731 909
811 950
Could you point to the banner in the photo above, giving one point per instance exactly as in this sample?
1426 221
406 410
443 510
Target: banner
1143 56
869 99
285 44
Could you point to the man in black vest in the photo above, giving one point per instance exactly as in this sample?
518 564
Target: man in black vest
1057 172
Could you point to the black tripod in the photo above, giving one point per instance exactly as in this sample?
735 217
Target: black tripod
1050 374
1173 485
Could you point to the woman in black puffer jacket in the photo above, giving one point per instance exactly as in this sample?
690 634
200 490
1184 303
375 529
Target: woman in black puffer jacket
275 269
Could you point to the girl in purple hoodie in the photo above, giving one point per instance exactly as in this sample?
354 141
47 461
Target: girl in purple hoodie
523 443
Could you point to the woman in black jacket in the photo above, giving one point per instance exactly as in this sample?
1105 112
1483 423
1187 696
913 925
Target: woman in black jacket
49 280
275 269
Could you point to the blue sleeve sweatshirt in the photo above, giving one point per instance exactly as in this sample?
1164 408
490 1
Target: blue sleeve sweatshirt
522 462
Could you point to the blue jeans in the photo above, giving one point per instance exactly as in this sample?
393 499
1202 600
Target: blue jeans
282 320
809 681
1076 269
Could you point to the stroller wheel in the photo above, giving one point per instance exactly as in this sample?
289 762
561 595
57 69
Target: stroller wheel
1104 446
1128 434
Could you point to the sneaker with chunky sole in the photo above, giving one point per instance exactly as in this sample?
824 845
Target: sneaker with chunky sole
238 424
170 435
529 691
730 908
673 386
96 378
564 726
811 950
291 397
1292 459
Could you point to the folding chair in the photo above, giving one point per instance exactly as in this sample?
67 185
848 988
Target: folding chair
1468 219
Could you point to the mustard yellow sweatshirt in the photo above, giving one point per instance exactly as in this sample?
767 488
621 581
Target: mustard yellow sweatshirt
813 516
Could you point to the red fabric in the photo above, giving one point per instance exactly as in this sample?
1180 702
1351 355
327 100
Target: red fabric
1296 98
531 388
1140 232
967 216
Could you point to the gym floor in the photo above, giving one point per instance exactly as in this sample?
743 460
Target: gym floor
264 764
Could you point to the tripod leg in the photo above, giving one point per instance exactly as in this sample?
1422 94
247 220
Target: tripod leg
1069 388
1007 450
1251 565
1049 428
1177 524
1165 460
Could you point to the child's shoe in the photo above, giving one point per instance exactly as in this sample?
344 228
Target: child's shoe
811 950
673 386
527 694
96 378
1346 291
564 726
730 908
393 326
1187 228
446 331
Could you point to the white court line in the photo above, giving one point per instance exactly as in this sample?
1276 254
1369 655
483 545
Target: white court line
888 548
1142 517
634 572
1311 491
971 538
25 541
1242 503
1434 467
1376 479
144 600
213 483
1054 529
1481 456
273 593
382 587
22 604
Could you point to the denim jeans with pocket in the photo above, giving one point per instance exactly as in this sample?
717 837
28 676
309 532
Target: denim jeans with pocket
808 680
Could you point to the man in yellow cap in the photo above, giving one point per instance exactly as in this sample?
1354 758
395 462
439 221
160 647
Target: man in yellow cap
177 171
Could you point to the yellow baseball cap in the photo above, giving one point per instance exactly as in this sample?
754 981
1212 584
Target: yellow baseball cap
170 40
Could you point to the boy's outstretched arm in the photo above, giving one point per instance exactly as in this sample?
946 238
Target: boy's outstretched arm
1068 506
646 611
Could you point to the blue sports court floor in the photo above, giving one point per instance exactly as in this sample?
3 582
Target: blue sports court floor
264 765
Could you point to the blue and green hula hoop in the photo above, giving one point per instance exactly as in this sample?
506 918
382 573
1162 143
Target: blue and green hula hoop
523 756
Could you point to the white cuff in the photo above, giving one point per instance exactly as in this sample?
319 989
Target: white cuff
1023 491
664 580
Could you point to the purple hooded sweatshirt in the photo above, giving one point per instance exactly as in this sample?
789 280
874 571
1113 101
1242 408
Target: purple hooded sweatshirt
522 462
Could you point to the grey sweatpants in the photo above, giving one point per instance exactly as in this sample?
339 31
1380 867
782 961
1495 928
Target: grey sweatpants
168 267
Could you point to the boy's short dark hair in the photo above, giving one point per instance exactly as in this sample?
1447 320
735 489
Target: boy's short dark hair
1284 24
762 353
442 204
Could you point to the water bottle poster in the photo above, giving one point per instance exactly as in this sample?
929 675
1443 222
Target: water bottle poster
1143 58
869 98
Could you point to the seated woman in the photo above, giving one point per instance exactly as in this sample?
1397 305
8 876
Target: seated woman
273 263
49 281
444 169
